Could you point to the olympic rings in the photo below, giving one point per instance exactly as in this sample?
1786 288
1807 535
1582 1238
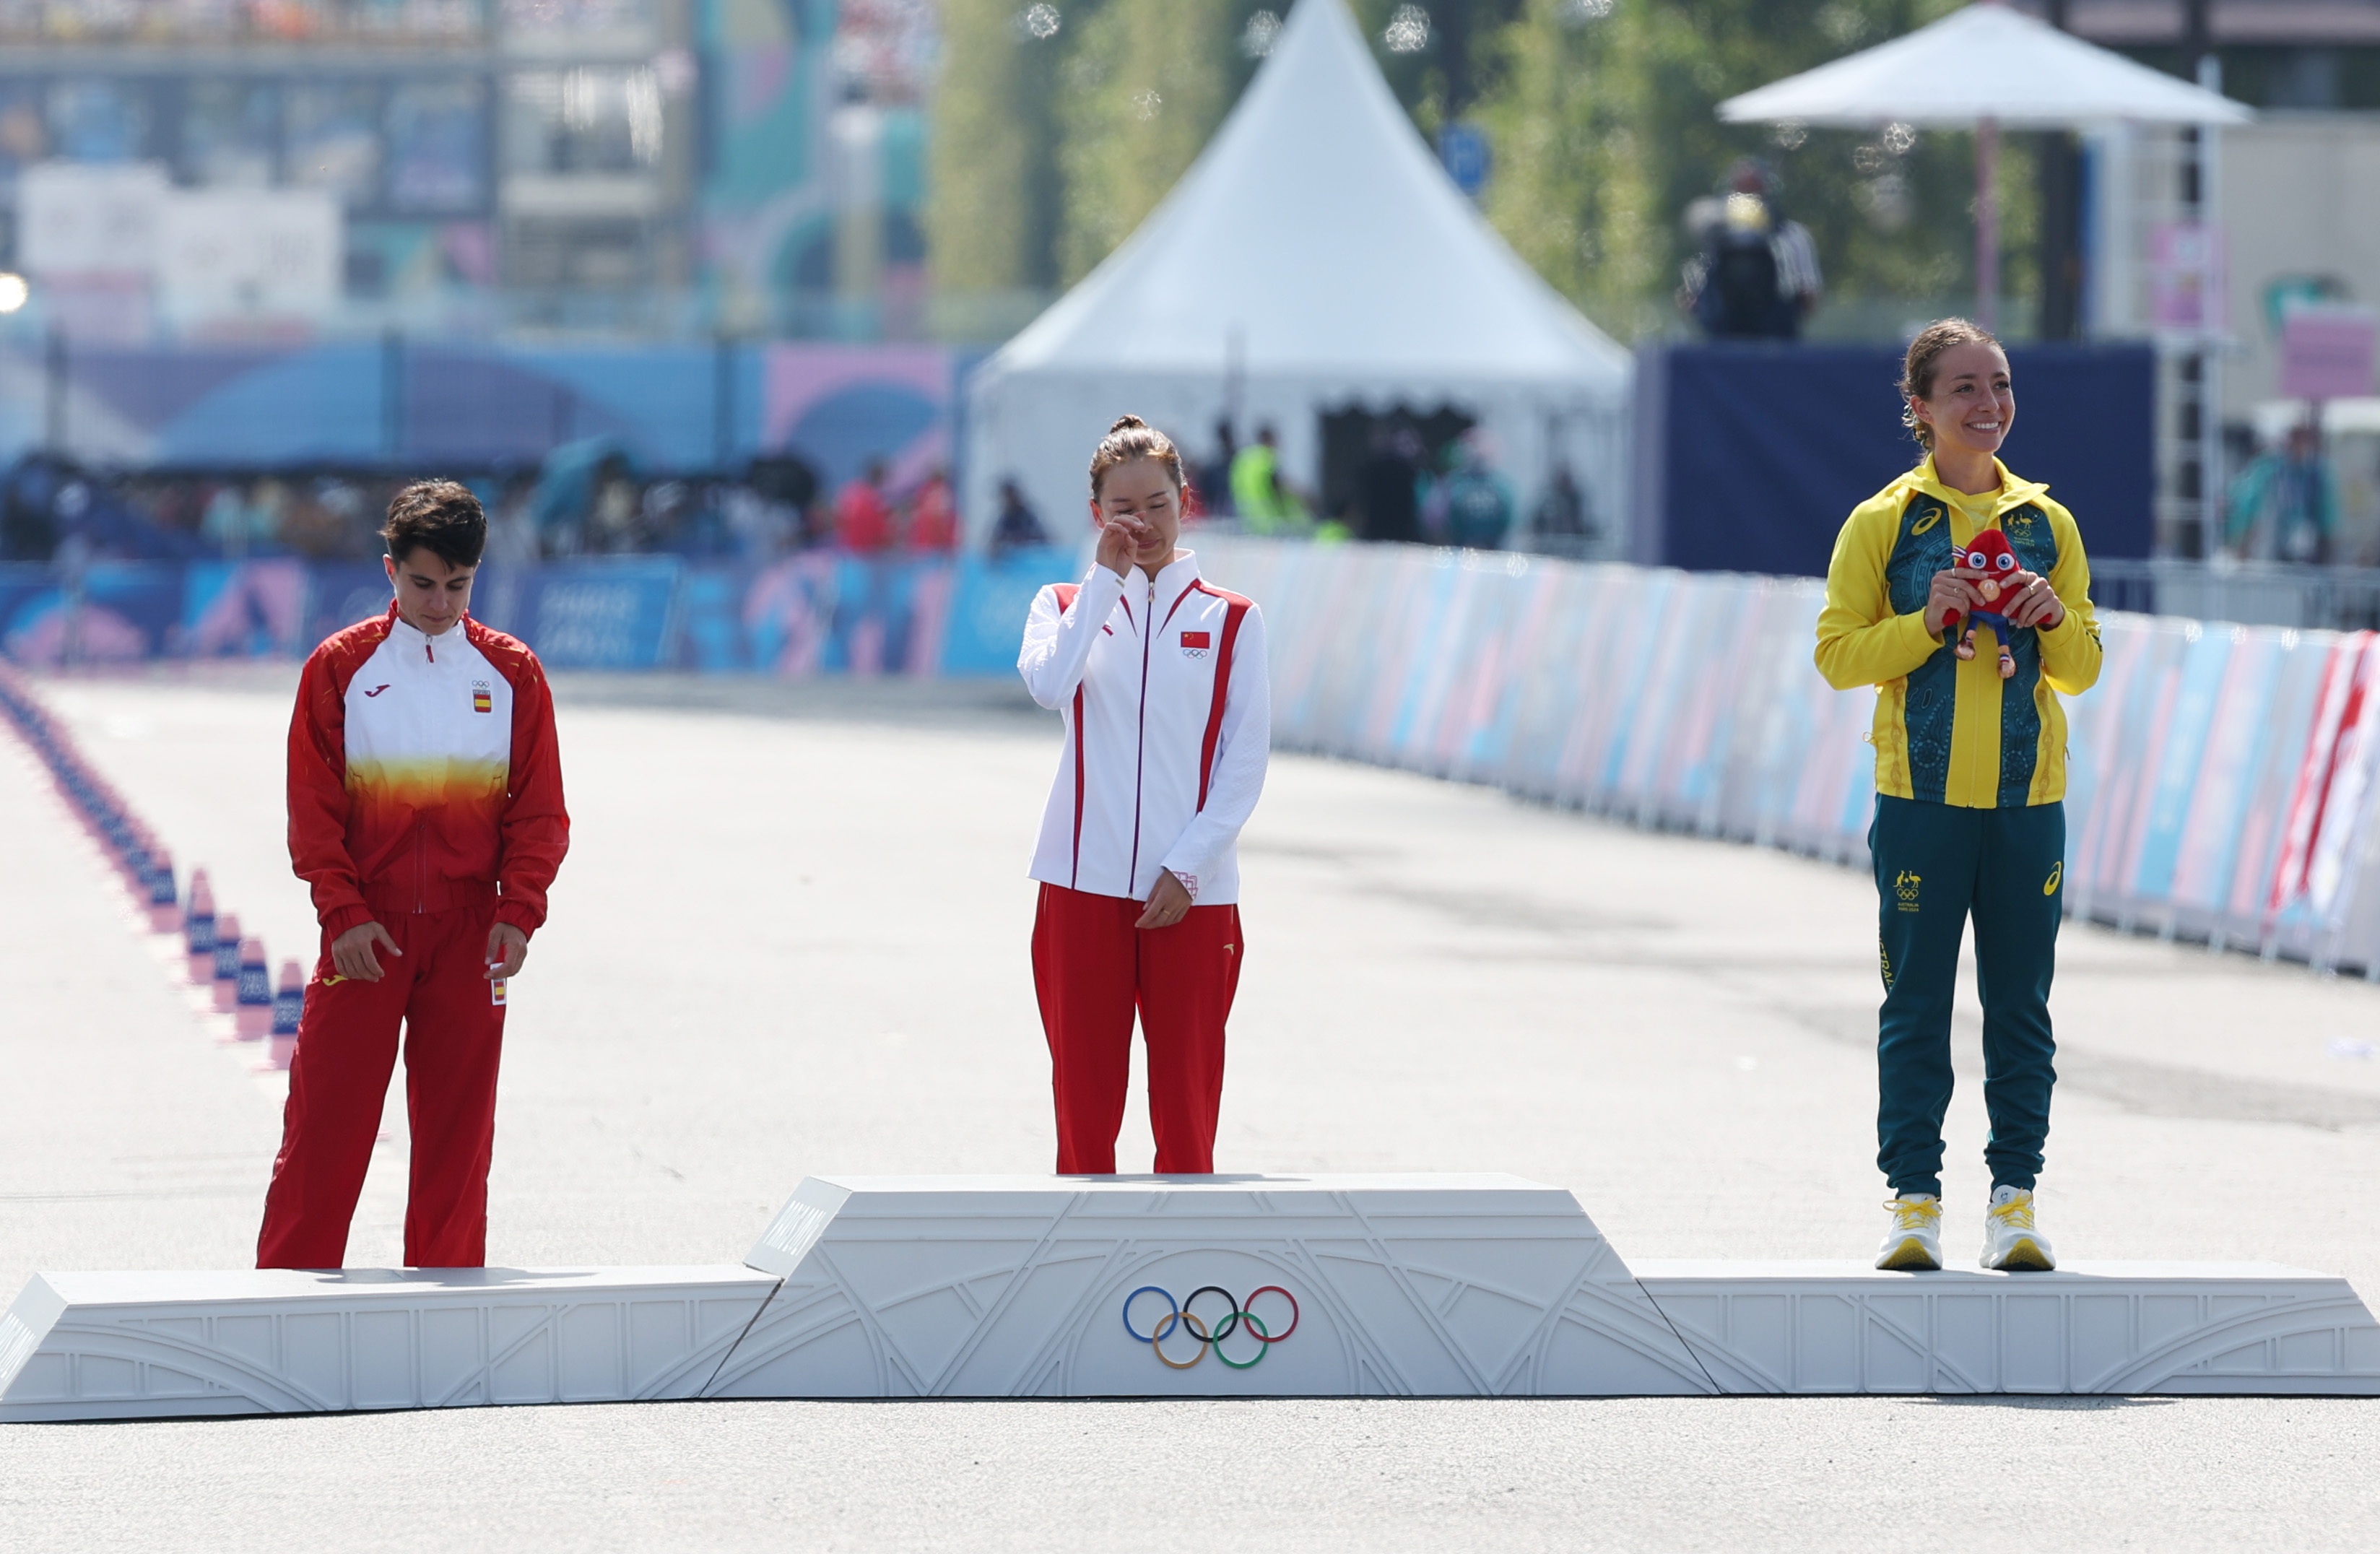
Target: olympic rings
1179 1315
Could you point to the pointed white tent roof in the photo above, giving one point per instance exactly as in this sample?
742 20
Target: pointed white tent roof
1317 238
1984 61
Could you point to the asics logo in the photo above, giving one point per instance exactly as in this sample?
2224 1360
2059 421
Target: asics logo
375 691
2056 873
1179 1316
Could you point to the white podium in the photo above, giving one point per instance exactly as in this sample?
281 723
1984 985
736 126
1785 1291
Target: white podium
272 1341
1209 1286
972 1286
2089 1328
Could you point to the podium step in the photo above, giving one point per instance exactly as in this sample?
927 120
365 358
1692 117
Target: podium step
272 1341
1138 1287
2088 1328
1394 1285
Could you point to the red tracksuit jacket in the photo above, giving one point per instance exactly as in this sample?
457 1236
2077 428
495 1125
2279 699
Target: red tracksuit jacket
423 776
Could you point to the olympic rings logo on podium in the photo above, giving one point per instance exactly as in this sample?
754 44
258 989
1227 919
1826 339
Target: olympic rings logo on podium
1180 1316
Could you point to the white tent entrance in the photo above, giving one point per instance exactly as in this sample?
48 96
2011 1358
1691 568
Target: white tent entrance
1314 259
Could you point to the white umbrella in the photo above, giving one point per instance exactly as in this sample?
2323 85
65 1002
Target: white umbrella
1982 67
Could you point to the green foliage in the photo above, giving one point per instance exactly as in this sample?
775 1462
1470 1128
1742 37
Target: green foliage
1144 85
1048 152
1605 128
993 190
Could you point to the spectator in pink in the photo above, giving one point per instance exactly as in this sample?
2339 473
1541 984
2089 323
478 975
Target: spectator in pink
933 517
863 519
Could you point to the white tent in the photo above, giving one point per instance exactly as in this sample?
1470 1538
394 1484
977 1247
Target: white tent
1983 62
1314 258
1984 67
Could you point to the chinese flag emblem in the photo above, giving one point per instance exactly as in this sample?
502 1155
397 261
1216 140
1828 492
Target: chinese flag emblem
1194 638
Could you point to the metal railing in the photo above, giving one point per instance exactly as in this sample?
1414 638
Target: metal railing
2242 593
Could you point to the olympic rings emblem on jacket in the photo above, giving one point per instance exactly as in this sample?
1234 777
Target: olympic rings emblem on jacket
1179 1314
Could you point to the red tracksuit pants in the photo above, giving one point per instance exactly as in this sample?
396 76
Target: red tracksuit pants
1092 968
346 1049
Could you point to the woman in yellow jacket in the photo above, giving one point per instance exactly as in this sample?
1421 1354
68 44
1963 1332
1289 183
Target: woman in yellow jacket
1970 779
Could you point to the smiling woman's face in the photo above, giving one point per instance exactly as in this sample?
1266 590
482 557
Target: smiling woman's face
1974 403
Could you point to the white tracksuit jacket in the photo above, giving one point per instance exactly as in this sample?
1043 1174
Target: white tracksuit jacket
1157 771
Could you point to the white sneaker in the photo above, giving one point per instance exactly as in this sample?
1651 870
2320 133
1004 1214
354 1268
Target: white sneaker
1914 1243
2009 1239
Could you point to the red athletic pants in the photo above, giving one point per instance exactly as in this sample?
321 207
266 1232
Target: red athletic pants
1091 967
346 1046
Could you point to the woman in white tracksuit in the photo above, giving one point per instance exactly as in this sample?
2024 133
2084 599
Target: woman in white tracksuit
1161 679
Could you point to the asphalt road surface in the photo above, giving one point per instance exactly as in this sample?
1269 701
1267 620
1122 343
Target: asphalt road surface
790 938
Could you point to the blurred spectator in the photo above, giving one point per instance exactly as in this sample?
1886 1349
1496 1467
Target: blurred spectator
234 523
1561 521
1016 529
2284 506
1267 503
29 531
934 517
759 527
1388 486
1212 480
567 485
512 527
322 519
614 523
863 519
1478 501
1755 275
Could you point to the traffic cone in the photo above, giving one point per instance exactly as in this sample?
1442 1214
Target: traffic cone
131 861
253 1018
226 976
288 1007
199 929
164 910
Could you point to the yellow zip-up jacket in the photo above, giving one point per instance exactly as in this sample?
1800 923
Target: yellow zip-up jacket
1948 730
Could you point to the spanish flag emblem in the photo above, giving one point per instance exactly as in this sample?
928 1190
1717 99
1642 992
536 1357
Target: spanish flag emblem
481 701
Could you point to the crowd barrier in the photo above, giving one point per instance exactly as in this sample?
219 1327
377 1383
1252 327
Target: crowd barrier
2221 779
817 612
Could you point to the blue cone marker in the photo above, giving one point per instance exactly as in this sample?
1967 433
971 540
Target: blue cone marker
254 993
289 1008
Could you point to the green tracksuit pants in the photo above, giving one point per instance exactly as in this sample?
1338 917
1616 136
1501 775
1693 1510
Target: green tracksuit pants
1936 866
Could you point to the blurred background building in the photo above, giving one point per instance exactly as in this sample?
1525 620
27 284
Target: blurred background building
223 169
262 236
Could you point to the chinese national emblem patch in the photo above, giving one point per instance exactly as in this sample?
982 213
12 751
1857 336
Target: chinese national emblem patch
1194 644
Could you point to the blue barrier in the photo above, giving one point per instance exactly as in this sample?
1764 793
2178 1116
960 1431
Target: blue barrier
2225 781
815 612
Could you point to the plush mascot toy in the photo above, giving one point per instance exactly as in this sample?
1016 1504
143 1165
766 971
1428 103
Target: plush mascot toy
1989 554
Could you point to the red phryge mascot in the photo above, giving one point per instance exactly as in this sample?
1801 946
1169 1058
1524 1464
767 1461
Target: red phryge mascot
1989 554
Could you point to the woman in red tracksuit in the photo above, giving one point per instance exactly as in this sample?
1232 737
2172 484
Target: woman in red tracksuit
426 812
1161 679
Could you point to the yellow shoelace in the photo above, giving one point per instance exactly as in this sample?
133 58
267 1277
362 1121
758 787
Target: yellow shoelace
1922 1214
2017 1212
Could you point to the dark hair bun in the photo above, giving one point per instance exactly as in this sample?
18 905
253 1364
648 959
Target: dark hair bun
1131 438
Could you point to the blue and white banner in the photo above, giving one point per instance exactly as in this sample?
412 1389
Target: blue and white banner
2222 779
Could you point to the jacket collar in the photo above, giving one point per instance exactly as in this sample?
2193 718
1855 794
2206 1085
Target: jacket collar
2014 493
1177 574
407 636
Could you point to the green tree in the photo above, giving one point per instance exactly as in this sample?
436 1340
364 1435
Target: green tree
1144 86
1604 121
992 193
